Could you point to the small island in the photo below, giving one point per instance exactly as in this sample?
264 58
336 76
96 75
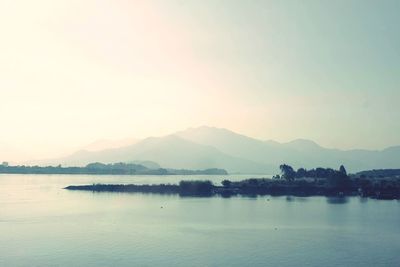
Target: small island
315 182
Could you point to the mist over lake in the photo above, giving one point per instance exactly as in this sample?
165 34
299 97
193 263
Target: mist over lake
44 225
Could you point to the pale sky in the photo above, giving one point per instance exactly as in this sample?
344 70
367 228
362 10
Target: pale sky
74 71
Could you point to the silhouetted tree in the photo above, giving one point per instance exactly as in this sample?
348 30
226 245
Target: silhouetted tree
339 180
287 172
343 170
301 173
226 183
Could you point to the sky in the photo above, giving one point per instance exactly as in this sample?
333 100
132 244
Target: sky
73 71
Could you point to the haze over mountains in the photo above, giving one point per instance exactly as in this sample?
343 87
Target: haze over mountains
208 147
108 144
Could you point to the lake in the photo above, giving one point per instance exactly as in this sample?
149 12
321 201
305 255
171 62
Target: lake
42 224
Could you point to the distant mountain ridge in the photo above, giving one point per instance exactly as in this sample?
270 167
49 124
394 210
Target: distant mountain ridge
209 147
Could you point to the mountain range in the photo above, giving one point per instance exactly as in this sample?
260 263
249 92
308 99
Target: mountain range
209 147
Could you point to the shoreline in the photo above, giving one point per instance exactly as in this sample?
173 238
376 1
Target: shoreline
251 187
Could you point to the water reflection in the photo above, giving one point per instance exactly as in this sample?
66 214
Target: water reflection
290 198
337 200
296 199
251 196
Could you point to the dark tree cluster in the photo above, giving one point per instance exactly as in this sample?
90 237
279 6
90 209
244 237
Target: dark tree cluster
334 178
196 188
289 173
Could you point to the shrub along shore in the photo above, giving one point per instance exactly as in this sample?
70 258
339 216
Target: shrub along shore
326 182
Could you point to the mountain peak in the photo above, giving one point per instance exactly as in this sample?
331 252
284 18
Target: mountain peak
205 131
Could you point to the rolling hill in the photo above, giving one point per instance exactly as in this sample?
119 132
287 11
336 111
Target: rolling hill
208 147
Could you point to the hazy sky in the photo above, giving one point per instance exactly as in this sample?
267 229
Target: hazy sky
73 71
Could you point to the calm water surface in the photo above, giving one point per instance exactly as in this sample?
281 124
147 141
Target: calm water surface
43 225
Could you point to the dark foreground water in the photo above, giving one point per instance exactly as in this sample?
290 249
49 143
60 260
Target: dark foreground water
43 225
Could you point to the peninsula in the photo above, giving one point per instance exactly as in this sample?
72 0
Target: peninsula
315 182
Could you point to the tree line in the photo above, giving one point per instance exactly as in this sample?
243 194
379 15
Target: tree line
101 168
